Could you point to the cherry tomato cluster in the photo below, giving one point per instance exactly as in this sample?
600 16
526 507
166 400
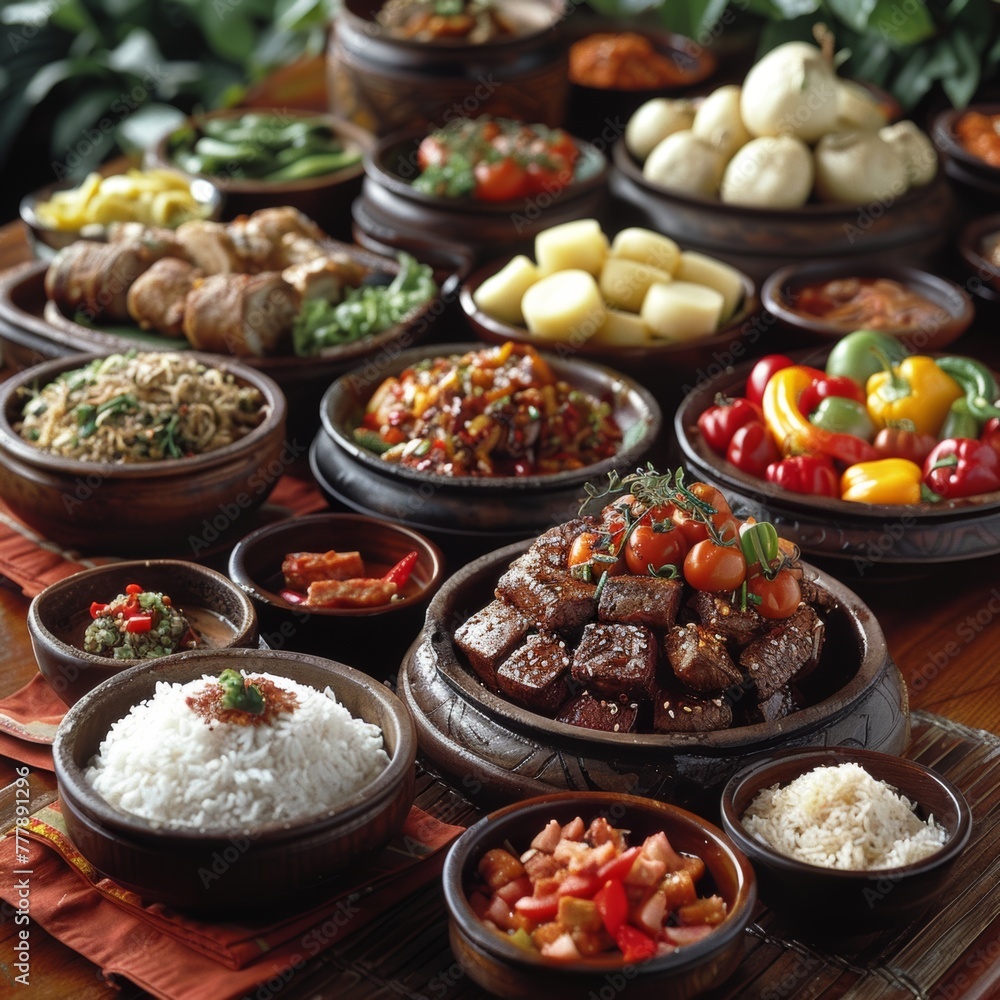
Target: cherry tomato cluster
690 532
736 429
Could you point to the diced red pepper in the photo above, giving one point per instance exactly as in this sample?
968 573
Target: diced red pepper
635 946
612 905
962 467
579 886
539 909
620 866
761 372
813 475
97 609
830 385
720 422
139 623
133 588
752 448
400 573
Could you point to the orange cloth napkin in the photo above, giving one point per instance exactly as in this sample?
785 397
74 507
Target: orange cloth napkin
33 562
30 715
182 958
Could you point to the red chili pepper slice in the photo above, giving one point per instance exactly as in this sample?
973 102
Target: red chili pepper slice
97 609
292 596
139 623
133 588
400 573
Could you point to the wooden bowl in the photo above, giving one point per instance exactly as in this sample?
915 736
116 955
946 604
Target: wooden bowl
366 637
599 114
758 241
973 246
326 198
668 370
387 83
390 201
505 970
955 309
151 508
46 241
838 903
861 538
218 610
480 505
959 163
289 862
855 696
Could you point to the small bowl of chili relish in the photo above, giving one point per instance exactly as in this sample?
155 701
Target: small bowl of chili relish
536 178
822 302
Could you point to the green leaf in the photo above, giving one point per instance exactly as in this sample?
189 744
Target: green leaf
900 24
855 13
137 53
145 126
227 30
694 19
78 125
961 84
915 78
73 16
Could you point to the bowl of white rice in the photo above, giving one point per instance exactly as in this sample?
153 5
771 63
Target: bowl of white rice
235 778
846 841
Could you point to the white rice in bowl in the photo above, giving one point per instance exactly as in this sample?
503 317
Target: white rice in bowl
172 762
841 817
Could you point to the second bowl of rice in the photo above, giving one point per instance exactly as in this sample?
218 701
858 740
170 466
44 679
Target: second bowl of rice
161 774
846 841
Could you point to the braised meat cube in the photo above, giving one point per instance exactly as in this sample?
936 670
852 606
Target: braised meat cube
550 597
612 715
721 617
775 658
640 600
699 658
534 675
815 595
551 548
616 660
780 704
490 636
673 713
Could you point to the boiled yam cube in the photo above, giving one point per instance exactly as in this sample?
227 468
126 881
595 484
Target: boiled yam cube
534 675
490 636
681 310
622 329
703 270
616 660
500 296
647 247
565 306
624 282
572 245
611 715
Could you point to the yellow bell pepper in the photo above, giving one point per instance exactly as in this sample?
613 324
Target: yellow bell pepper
915 390
887 480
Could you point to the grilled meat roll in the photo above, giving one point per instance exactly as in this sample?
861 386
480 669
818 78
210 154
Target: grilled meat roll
157 299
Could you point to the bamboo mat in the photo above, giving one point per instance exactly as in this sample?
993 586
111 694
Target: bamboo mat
952 951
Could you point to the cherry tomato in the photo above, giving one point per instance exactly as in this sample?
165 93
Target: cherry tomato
713 567
648 547
431 152
720 422
695 528
501 180
778 597
752 449
591 548
761 372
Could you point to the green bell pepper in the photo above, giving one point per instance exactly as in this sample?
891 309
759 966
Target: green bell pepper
960 423
841 415
856 355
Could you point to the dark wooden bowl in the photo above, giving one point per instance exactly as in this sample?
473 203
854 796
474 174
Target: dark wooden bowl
388 83
486 228
287 861
152 508
369 638
667 370
508 971
758 241
59 615
973 246
860 537
490 505
599 114
46 241
835 903
856 696
326 198
959 163
956 309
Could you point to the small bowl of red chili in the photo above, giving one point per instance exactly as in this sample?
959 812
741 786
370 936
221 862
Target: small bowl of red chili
821 302
657 896
483 182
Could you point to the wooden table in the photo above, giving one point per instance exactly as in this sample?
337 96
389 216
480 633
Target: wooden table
942 627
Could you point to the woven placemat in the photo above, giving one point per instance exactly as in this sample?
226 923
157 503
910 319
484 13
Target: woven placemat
952 951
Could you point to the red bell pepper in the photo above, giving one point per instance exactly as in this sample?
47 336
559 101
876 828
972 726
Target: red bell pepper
97 609
133 588
825 386
761 372
612 905
720 422
538 908
813 475
635 946
752 448
400 573
962 467
139 623
618 868
991 433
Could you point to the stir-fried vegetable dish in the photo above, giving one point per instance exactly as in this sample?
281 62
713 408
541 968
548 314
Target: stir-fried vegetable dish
139 624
